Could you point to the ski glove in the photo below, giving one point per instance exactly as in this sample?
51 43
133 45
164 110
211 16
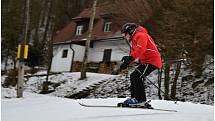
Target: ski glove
126 61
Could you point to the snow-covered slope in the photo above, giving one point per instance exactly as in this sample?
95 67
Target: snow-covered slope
35 107
68 83
104 85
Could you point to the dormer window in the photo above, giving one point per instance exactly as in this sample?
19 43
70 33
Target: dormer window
79 29
107 26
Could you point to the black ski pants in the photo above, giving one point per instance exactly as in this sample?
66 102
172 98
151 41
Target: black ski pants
137 79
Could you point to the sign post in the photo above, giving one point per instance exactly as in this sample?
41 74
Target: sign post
22 54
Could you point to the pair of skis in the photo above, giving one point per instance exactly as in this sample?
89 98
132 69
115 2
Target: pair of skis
134 107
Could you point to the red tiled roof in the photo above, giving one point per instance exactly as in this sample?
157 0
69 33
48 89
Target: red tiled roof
65 34
68 32
86 13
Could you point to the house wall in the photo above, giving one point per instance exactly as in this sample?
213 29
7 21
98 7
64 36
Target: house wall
119 49
96 53
60 64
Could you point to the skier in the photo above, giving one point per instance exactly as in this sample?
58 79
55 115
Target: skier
144 49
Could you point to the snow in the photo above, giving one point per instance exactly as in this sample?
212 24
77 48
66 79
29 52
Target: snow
37 107
8 92
69 82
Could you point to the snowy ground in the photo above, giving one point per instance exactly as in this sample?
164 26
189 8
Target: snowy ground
69 82
36 107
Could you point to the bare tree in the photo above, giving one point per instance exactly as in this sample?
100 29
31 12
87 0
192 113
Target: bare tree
49 45
173 89
166 81
159 83
84 62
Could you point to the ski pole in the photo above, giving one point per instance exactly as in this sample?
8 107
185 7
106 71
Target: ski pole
160 89
154 84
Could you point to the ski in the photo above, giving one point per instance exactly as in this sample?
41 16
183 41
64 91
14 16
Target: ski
109 106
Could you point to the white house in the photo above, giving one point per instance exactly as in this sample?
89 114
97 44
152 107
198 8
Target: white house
106 45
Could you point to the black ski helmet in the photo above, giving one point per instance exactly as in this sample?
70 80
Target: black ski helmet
128 28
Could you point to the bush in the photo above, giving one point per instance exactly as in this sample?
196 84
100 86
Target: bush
11 79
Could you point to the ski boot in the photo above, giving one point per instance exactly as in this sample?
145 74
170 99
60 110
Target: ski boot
130 102
127 102
134 103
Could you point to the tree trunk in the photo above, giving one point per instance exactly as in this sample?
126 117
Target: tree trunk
43 13
159 83
84 63
36 34
47 22
49 41
6 61
166 81
49 57
173 89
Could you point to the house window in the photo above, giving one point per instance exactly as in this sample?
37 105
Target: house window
107 26
79 30
107 55
65 53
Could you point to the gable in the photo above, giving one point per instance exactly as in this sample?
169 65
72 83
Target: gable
68 33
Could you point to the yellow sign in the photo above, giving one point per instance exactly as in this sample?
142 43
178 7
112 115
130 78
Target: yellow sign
19 51
25 51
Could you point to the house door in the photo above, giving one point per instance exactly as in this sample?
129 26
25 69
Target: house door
107 55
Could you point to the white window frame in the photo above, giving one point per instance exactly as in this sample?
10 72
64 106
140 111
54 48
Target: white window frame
79 29
107 26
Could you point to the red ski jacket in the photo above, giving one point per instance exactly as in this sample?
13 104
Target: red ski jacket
144 48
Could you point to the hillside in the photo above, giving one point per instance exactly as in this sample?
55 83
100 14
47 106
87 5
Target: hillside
189 87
